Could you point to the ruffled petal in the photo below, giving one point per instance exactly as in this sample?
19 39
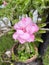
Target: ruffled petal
20 32
25 36
15 36
22 41
31 38
32 28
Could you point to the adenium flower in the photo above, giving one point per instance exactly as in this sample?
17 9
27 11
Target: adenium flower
4 3
25 30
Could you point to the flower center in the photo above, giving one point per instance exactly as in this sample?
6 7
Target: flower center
24 30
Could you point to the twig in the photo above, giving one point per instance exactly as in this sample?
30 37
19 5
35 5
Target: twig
46 29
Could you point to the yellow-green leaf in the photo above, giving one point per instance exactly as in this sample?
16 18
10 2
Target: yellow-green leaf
42 25
39 39
41 31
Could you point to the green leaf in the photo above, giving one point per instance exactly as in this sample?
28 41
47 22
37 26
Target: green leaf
31 45
41 31
11 31
42 25
13 56
39 39
15 21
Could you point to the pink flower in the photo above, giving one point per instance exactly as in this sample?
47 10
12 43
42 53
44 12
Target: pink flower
4 3
25 30
23 23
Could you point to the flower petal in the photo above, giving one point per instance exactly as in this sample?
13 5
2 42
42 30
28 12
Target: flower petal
31 38
25 36
22 41
27 21
20 32
15 36
32 28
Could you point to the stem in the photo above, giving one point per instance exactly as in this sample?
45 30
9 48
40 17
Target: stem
27 47
46 29
44 23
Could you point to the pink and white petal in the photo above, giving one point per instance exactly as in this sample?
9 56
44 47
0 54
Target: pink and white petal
32 29
36 27
16 26
25 36
22 41
21 24
31 39
26 21
15 36
20 32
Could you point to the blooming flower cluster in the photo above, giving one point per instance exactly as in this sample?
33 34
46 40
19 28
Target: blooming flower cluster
25 30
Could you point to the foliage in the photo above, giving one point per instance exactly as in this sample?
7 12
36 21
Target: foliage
24 51
16 8
6 42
